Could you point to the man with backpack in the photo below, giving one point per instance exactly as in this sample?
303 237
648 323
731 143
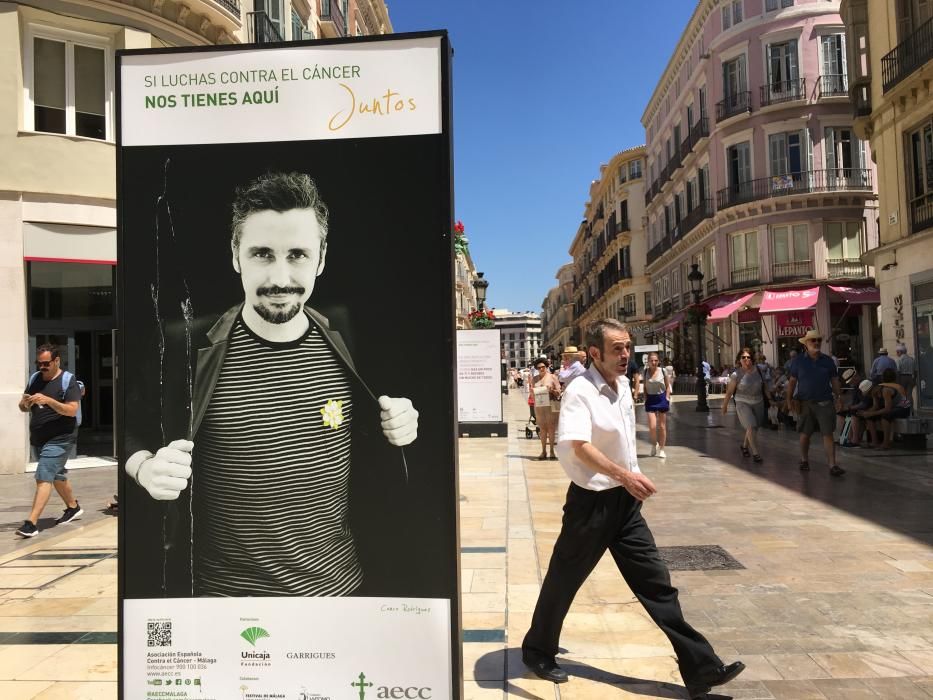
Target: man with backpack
52 398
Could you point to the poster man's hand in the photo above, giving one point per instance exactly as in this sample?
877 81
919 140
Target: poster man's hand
166 473
399 420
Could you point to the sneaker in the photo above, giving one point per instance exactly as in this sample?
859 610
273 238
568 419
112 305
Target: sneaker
28 529
661 454
654 449
71 514
836 470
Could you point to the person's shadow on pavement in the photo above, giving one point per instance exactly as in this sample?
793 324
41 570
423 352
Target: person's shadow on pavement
506 664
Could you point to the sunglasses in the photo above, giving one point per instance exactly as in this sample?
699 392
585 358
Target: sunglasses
746 357
815 340
47 363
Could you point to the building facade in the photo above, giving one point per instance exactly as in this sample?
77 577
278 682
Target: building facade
609 249
892 69
58 178
331 19
520 336
557 315
465 300
758 177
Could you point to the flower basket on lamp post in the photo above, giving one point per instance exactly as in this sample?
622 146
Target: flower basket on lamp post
482 318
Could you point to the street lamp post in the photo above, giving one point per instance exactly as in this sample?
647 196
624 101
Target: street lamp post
479 284
696 287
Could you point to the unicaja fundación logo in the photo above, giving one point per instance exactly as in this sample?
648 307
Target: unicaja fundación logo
253 634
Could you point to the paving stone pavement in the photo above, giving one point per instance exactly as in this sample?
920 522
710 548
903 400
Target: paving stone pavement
834 600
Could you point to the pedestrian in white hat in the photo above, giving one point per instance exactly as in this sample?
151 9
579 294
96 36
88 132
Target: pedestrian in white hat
814 393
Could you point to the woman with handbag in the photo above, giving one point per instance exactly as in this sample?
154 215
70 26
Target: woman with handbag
657 402
546 391
750 390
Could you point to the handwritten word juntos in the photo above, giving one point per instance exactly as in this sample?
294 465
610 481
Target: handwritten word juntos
389 103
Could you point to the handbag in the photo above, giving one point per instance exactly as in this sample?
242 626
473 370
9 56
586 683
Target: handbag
542 397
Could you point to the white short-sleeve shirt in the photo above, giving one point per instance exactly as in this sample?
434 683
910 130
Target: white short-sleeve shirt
593 412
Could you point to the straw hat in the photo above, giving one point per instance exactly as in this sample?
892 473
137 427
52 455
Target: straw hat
865 386
570 350
848 374
812 334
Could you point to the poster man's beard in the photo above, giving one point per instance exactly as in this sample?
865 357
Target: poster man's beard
282 315
277 315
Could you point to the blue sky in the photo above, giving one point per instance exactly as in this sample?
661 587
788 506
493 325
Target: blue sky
544 92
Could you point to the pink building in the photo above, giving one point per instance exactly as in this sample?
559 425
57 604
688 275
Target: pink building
756 176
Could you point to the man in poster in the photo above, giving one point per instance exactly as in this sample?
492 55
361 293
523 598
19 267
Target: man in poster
275 407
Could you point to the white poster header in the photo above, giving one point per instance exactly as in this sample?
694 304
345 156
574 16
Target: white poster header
301 93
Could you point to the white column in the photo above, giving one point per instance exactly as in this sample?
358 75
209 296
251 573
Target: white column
14 370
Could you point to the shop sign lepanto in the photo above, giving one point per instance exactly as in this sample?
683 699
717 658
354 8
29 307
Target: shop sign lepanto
794 324
288 499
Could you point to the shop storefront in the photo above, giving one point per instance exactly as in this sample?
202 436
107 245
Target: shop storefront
923 320
790 327
70 278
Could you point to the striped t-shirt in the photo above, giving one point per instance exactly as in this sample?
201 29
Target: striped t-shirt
272 472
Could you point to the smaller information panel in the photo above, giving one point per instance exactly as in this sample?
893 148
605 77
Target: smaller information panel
338 648
479 385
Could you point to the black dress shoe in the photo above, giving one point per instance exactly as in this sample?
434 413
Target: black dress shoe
699 687
546 669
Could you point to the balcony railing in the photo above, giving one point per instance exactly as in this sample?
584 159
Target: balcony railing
700 130
703 210
231 6
623 226
659 249
711 287
736 103
907 56
845 267
807 181
832 85
675 302
331 13
795 269
694 134
783 91
686 298
262 30
745 276
921 213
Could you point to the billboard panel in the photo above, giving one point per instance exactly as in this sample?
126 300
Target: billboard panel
287 426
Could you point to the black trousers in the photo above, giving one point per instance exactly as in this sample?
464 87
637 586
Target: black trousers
593 522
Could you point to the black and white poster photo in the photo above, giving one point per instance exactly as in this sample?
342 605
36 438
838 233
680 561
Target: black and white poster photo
280 436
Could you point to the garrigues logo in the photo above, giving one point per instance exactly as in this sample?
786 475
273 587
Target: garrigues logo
253 634
396 692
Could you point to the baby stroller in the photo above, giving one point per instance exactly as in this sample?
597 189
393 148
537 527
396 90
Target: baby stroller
531 429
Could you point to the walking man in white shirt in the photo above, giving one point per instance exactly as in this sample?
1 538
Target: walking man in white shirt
596 447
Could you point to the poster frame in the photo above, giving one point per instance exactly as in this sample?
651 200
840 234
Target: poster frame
446 139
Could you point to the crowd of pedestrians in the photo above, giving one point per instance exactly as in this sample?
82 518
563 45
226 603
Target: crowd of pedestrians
805 394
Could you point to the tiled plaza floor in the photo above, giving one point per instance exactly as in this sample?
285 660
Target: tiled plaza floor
835 599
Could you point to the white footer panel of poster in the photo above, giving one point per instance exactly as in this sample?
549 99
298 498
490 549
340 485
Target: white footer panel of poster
286 648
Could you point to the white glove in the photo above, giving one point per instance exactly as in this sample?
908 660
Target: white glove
399 420
165 474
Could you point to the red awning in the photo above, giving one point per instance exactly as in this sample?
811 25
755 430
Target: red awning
789 300
670 323
724 306
858 295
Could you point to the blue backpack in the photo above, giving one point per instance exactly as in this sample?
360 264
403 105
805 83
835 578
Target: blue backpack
66 382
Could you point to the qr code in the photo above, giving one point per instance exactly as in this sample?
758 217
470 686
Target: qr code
159 634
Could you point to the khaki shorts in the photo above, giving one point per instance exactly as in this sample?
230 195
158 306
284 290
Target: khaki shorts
816 416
